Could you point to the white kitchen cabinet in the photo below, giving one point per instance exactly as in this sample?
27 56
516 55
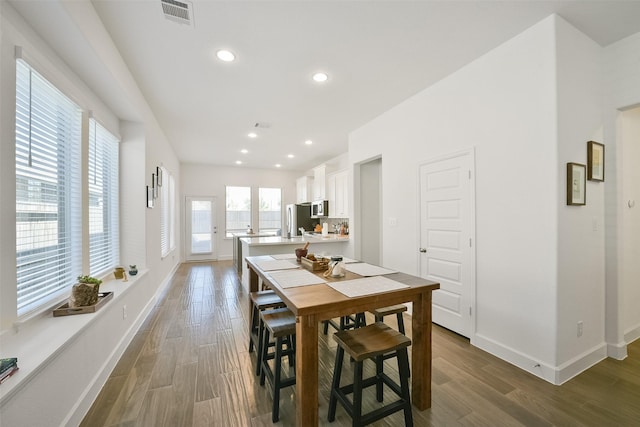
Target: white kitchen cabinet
304 189
338 194
319 184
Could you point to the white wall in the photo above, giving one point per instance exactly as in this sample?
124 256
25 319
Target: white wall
505 105
581 254
82 362
210 181
622 91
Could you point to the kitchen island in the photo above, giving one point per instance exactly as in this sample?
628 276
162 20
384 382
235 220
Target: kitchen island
333 244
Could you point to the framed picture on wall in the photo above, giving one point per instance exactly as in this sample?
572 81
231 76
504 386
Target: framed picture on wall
576 184
595 161
154 186
149 197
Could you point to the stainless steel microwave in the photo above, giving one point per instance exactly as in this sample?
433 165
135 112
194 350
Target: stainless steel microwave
320 208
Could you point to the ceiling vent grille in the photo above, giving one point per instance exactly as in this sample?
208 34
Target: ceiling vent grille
178 11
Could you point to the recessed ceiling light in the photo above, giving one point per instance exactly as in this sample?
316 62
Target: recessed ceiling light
238 162
290 156
225 55
244 151
252 135
308 142
320 77
278 165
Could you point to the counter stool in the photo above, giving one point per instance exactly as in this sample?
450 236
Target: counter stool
279 323
372 341
346 322
261 300
380 313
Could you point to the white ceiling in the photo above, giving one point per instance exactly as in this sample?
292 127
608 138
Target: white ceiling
377 54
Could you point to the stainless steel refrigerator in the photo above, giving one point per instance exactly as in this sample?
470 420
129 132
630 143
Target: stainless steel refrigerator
299 216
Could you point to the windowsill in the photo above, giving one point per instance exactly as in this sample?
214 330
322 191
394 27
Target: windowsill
39 339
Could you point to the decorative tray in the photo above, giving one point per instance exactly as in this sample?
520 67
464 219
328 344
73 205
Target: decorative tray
65 310
318 265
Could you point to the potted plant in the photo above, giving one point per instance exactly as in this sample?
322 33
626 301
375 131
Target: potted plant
85 292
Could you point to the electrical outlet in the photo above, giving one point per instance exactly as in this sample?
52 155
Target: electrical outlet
124 311
580 328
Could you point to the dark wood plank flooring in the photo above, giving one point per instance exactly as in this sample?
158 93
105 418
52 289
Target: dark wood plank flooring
189 365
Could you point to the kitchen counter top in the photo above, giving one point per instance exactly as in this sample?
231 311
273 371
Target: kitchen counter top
333 244
297 240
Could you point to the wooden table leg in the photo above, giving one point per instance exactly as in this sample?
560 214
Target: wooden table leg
306 371
421 352
253 285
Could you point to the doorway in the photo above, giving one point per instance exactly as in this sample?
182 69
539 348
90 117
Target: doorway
200 229
447 231
370 201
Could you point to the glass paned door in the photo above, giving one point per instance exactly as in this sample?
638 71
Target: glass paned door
200 228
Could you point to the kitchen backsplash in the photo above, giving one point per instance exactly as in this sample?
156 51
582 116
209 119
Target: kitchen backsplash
333 223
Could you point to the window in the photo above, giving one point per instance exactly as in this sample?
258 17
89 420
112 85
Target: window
172 211
167 210
103 199
48 190
270 209
238 209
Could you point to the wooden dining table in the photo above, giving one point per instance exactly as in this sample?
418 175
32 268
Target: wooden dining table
312 304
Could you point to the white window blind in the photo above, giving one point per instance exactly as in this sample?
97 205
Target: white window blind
48 197
164 211
172 212
104 247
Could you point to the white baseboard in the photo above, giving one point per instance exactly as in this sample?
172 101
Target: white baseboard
554 374
632 334
580 363
521 360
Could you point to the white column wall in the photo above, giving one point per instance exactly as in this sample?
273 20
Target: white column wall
581 252
504 105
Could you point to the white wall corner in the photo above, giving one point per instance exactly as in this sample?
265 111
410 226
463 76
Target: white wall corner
617 351
580 363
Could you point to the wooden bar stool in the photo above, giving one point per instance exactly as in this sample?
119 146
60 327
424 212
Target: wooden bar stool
346 322
280 324
261 300
380 313
372 341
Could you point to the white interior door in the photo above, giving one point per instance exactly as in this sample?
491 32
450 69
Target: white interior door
200 229
446 239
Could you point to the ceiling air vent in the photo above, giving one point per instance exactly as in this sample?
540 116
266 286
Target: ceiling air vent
178 11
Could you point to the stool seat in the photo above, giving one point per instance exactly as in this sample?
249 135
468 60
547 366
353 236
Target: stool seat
266 299
371 341
260 301
380 313
386 311
280 322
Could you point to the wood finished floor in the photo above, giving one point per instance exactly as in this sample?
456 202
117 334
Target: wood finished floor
189 365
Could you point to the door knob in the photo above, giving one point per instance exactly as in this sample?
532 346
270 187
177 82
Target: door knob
423 250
